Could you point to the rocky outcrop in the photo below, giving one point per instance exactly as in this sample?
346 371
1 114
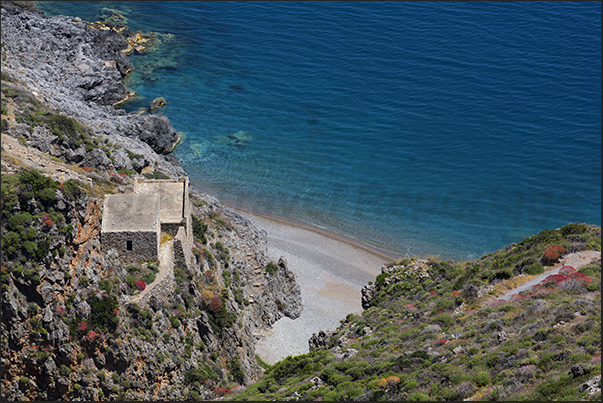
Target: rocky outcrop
320 341
69 329
79 70
73 309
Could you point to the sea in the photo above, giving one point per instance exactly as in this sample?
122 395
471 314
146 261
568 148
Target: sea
447 129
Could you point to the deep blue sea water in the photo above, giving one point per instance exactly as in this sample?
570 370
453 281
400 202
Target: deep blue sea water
450 128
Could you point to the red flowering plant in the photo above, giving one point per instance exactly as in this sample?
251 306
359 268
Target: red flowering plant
582 277
215 304
552 254
566 270
221 391
82 326
140 284
46 221
517 297
440 342
91 335
553 280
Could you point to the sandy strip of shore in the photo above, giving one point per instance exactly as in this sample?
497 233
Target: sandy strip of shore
331 271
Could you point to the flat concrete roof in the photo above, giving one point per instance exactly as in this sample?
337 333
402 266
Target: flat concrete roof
131 212
171 195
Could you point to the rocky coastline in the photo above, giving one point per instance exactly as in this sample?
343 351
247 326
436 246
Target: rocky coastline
78 70
62 79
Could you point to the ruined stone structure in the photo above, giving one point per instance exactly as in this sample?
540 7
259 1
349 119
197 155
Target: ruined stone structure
134 223
131 226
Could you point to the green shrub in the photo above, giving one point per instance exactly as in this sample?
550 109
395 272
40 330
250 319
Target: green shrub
126 171
236 372
482 378
417 396
155 174
535 268
444 319
64 370
179 275
148 278
271 268
199 229
197 376
102 313
573 228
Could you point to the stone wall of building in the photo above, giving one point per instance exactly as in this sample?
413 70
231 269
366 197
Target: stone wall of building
162 291
187 211
144 245
182 248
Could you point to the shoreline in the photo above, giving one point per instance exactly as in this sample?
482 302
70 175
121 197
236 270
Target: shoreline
388 256
330 270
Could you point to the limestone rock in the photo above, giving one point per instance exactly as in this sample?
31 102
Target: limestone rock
577 370
319 341
156 104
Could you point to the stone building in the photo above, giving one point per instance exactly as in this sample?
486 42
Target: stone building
133 224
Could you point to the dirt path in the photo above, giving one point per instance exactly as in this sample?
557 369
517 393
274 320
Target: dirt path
30 157
507 289
166 265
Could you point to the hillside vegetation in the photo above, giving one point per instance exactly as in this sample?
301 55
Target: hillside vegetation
433 330
68 330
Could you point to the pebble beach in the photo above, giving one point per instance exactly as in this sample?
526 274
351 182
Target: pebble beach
331 271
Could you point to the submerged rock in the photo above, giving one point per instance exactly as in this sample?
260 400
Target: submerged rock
238 139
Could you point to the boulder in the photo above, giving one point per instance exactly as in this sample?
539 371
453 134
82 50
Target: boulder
156 104
97 159
577 370
319 341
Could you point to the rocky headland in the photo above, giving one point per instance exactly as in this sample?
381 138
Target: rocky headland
69 330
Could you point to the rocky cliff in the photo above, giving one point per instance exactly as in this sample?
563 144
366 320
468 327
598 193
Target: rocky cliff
76 71
68 329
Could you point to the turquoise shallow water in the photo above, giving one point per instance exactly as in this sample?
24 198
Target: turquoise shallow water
418 127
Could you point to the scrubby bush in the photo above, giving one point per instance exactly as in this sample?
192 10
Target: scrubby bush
199 229
552 254
140 285
271 268
482 378
535 268
103 312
